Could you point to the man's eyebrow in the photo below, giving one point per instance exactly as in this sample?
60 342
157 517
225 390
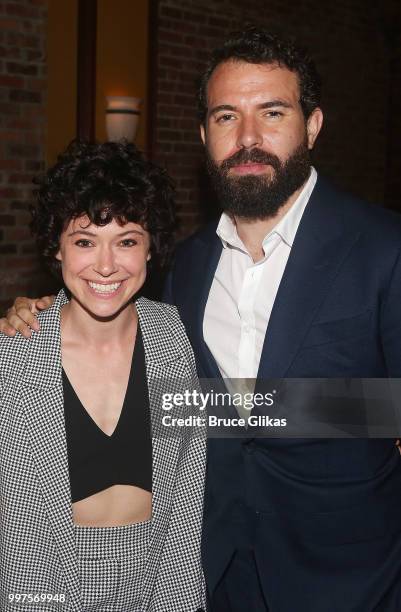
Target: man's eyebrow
269 104
222 107
87 233
275 103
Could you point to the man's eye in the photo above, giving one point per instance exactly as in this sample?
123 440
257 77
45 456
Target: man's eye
273 114
128 242
83 243
225 118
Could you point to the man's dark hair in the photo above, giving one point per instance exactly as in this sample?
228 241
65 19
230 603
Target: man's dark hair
257 46
104 182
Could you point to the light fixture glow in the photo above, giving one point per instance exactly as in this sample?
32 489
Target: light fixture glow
122 114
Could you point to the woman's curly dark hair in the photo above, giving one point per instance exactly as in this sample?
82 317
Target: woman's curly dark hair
104 181
258 46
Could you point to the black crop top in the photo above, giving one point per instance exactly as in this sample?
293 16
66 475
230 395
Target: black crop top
97 461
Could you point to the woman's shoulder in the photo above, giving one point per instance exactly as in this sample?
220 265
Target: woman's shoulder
12 344
158 310
162 325
13 354
15 350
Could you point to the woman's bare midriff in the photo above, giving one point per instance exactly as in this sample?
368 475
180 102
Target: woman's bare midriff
118 505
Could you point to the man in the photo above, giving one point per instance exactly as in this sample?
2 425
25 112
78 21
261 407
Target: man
296 281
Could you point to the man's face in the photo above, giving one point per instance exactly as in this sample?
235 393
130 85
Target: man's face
256 136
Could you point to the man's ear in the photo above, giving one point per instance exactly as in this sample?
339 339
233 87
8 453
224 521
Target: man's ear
58 256
202 133
313 126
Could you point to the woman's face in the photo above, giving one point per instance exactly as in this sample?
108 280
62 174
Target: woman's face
103 266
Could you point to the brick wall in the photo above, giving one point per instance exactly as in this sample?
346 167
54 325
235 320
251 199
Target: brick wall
357 46
348 41
22 125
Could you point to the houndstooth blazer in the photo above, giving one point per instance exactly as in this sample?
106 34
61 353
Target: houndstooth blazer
37 548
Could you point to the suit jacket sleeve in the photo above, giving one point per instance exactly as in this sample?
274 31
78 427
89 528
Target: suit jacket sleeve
391 323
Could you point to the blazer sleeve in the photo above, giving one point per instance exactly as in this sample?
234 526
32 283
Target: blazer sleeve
4 341
391 322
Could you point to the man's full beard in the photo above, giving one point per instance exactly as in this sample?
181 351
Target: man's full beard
259 196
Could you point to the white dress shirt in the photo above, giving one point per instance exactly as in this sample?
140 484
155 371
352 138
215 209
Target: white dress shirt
242 294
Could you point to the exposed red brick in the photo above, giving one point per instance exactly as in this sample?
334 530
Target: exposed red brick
11 52
10 164
20 178
18 234
22 39
21 68
10 24
21 95
7 220
7 249
23 112
11 81
7 192
22 9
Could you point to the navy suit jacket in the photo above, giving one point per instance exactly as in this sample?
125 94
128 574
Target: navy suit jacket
322 516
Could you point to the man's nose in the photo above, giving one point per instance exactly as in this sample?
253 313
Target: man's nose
249 133
105 263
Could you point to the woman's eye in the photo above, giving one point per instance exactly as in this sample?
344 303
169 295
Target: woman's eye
83 243
128 242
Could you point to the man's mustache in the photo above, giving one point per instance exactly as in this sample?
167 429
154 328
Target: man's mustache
256 156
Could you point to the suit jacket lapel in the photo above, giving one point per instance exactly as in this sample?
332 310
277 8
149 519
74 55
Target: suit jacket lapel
207 251
41 397
321 245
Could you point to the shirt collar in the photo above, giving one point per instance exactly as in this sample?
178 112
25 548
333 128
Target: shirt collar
286 228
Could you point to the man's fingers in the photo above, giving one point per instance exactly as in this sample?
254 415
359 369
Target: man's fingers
21 304
17 324
6 328
22 315
21 318
45 302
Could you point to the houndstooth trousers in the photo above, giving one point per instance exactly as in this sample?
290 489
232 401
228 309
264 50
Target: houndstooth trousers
111 564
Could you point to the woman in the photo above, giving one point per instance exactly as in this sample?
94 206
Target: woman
95 514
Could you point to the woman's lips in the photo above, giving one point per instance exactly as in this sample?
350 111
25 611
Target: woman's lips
104 290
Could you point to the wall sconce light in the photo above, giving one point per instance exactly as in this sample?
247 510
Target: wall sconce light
122 114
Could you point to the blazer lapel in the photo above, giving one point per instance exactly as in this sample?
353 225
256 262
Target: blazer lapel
321 245
160 359
41 397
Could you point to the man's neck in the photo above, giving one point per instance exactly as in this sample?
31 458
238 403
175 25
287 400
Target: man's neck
252 232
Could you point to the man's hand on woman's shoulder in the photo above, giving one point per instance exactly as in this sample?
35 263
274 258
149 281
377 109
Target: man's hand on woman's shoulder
22 315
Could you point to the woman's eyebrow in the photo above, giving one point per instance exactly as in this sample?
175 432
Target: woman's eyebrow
81 231
87 233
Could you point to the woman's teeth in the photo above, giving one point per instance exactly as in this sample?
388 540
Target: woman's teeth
104 288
